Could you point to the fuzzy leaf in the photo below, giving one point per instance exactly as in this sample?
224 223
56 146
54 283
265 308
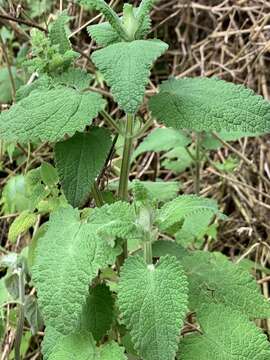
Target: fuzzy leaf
81 346
48 115
58 35
68 257
21 224
179 209
160 190
105 35
214 279
74 77
79 161
109 14
210 104
126 68
114 221
227 335
162 139
153 301
142 14
97 313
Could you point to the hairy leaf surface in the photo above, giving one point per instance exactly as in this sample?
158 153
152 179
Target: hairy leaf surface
81 346
48 115
153 302
179 209
97 313
79 161
109 14
214 279
126 68
67 259
58 35
210 104
227 335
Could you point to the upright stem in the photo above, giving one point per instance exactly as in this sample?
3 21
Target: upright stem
97 195
197 180
124 175
20 323
125 167
147 251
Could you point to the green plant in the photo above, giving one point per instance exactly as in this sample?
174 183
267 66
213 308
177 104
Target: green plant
80 261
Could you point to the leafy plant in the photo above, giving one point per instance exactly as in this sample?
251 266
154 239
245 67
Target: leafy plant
97 300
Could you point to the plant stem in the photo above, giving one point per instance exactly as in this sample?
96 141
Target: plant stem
110 121
20 323
197 180
97 195
124 176
147 251
125 166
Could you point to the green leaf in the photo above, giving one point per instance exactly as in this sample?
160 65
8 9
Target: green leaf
32 314
105 35
227 335
74 77
97 313
72 251
143 12
42 83
79 161
5 84
153 302
168 247
14 196
160 190
21 224
162 139
58 35
177 159
179 209
210 104
81 346
48 174
113 221
214 279
126 68
194 226
109 14
49 115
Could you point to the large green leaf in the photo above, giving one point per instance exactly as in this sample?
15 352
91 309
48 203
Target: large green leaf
97 313
49 115
67 259
214 279
79 161
153 302
226 335
178 210
81 346
126 68
210 104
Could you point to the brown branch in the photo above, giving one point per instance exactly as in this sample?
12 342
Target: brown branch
21 21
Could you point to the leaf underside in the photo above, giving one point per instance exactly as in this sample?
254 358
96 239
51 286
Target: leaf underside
227 335
126 68
68 257
49 115
153 303
79 161
205 104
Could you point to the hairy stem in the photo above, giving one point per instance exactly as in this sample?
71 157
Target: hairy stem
197 180
97 195
124 176
125 167
20 323
110 121
147 251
